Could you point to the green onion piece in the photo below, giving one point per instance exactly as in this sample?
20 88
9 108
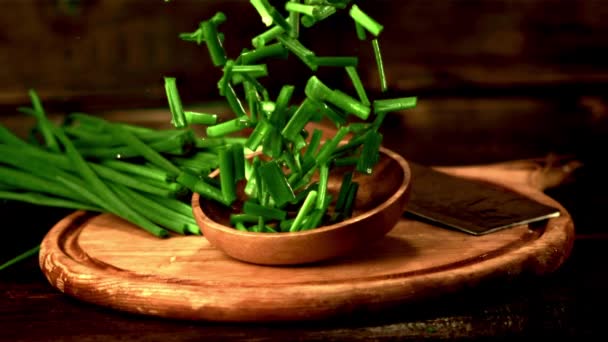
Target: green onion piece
322 13
360 31
299 119
275 183
206 142
393 105
306 207
253 98
320 92
226 77
262 6
272 50
202 188
370 153
227 179
350 200
251 69
214 45
332 61
240 226
315 139
366 21
266 36
334 116
196 36
273 144
343 193
234 102
253 208
243 218
282 101
238 155
260 226
200 118
227 127
359 88
294 22
329 147
27 254
298 49
380 63
178 118
278 19
259 133
323 181
300 8
346 161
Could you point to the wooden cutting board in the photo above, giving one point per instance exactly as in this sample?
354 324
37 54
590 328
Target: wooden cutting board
107 261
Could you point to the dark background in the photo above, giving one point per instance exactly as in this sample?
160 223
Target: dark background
497 80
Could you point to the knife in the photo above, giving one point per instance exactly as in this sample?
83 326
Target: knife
470 206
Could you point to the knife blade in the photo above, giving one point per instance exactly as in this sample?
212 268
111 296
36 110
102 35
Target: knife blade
470 206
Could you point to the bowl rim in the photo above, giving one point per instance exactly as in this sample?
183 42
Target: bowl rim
405 184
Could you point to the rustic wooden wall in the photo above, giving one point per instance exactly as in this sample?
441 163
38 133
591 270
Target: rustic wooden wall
107 53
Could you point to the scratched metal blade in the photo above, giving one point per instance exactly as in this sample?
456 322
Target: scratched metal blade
473 207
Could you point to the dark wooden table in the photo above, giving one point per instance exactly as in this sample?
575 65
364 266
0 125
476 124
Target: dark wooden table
566 303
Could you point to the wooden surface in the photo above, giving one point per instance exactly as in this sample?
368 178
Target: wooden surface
103 260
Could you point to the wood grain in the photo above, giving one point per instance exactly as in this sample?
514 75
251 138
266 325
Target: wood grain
106 261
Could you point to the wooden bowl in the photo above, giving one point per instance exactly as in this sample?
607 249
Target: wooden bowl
381 201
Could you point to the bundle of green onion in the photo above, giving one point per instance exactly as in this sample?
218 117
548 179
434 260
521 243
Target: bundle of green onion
280 193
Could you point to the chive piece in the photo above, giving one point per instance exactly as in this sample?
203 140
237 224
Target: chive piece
243 218
144 150
227 175
27 254
329 147
370 153
275 183
200 118
44 124
298 49
380 63
253 98
278 19
266 36
393 105
253 208
320 92
323 181
282 101
360 31
306 207
332 61
273 144
234 102
262 7
349 203
178 118
315 139
343 193
322 13
260 226
259 133
299 119
347 161
301 8
240 226
214 45
227 127
333 115
196 36
294 22
272 50
202 188
359 88
238 155
366 21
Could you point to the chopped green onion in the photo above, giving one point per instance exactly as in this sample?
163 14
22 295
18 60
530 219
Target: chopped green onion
294 22
200 118
359 88
323 182
261 132
267 36
252 208
365 20
178 118
243 218
322 12
214 45
227 177
393 105
349 204
272 50
380 63
298 49
319 91
343 193
202 188
238 155
370 153
329 147
335 61
360 31
299 119
234 102
306 207
275 183
300 8
262 7
227 127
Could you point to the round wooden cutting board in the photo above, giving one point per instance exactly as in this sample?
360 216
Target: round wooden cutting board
104 260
